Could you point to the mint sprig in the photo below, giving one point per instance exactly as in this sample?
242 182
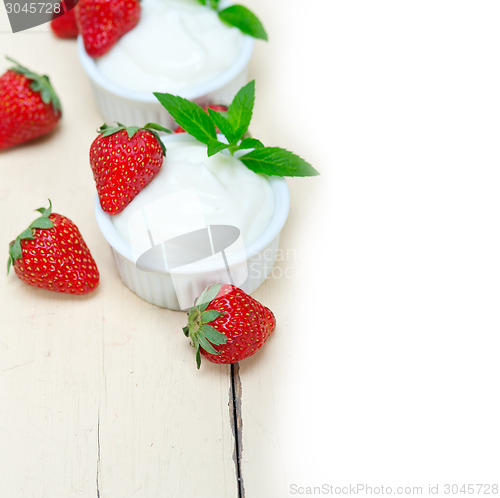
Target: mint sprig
240 17
234 124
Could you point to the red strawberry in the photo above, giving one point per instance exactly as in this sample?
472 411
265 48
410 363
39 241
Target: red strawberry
214 107
51 254
227 325
102 22
124 160
29 107
63 23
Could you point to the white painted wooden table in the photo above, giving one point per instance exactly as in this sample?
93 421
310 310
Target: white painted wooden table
383 369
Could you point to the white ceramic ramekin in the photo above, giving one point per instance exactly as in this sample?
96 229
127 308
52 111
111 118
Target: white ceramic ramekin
177 289
120 104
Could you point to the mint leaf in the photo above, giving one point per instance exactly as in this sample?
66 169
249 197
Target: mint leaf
275 161
239 113
202 124
243 19
250 143
189 116
223 124
216 146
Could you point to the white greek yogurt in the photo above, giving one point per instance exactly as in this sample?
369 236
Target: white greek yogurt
193 191
177 45
201 220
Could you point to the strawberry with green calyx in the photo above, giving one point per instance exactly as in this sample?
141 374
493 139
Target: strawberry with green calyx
102 23
124 160
29 106
227 325
52 255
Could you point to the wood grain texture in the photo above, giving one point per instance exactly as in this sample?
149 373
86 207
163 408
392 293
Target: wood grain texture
101 395
383 368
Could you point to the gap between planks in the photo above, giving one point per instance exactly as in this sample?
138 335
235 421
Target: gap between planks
235 392
235 395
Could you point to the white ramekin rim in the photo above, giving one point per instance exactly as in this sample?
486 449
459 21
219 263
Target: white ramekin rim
90 67
281 196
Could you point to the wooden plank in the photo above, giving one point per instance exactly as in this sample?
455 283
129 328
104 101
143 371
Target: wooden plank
101 395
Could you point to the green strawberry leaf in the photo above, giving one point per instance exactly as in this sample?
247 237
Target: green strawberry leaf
213 335
107 130
27 234
189 116
208 295
205 344
210 315
239 113
275 161
39 83
156 127
131 131
45 211
15 249
42 222
198 329
243 19
14 253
